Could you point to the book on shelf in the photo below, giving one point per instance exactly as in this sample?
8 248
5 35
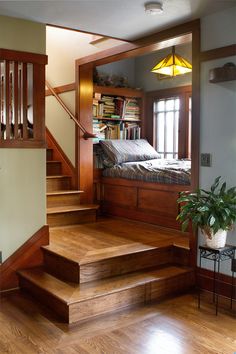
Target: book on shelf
124 113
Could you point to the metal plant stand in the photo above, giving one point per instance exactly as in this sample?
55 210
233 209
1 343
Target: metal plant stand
217 256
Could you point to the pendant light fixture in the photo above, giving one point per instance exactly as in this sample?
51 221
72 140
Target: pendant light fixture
172 65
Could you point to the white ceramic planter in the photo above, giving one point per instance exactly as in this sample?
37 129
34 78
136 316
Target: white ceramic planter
217 240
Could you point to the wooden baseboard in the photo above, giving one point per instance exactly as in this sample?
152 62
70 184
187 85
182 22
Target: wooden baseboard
59 155
28 255
205 282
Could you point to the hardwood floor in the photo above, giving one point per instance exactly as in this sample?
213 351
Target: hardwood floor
171 327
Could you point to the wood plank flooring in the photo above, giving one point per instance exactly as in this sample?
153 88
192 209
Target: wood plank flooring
111 237
174 326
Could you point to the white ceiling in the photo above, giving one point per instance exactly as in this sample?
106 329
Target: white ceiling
124 19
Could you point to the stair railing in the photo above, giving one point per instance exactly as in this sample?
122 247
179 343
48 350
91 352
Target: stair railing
86 134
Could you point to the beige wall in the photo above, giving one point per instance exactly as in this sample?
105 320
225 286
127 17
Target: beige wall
22 171
63 48
22 35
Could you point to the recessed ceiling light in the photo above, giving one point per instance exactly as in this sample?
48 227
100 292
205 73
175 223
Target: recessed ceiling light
153 8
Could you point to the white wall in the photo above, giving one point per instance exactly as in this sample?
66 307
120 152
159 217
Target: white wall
218 109
22 171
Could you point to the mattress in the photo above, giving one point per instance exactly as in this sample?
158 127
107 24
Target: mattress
156 170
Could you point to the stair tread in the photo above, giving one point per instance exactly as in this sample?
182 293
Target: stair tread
83 258
71 293
62 192
58 176
69 208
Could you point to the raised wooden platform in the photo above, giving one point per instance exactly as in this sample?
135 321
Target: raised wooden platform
95 268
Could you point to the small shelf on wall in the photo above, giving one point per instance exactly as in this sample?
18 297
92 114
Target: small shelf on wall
224 73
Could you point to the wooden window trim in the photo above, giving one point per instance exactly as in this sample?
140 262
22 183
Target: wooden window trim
184 92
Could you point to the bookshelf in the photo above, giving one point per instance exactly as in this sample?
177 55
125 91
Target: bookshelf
117 113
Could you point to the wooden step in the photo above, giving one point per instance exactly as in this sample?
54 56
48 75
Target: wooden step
103 263
60 198
71 214
49 154
75 303
57 183
53 168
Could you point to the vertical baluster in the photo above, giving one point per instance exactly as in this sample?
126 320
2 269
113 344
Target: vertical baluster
7 100
24 100
16 99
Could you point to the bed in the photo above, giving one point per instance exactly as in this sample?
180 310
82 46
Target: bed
136 183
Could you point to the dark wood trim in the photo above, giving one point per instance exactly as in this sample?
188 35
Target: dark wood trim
118 91
174 36
183 92
28 255
61 89
85 147
205 282
25 57
23 144
218 53
170 91
58 154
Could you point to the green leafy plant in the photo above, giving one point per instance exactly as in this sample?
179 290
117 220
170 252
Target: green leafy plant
209 210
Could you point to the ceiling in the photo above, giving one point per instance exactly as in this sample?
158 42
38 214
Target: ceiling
123 19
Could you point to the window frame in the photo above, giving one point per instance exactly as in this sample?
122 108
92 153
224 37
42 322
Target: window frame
183 93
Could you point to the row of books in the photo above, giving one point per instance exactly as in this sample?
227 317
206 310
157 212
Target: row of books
116 107
115 130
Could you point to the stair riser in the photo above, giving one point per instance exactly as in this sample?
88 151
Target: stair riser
106 268
125 264
71 218
181 256
49 154
60 267
65 199
53 168
143 293
45 298
57 184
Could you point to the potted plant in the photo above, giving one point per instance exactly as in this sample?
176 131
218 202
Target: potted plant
213 211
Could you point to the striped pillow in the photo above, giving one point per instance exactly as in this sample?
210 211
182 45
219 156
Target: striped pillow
120 151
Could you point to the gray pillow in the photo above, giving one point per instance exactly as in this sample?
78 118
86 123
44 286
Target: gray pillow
120 151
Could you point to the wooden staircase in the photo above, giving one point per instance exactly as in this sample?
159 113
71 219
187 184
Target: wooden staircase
96 268
63 203
91 268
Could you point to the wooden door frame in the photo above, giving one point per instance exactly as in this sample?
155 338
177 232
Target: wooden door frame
84 91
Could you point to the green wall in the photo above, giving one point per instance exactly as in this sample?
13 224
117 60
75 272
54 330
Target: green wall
22 171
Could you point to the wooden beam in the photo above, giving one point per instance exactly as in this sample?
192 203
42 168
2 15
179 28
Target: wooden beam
218 53
61 89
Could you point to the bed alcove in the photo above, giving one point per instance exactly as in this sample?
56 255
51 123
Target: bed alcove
137 197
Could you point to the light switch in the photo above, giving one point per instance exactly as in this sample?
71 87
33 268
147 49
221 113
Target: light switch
206 160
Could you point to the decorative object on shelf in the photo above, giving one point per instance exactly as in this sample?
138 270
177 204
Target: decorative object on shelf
213 211
103 79
225 73
172 65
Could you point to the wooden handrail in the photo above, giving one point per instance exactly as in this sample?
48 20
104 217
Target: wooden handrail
86 135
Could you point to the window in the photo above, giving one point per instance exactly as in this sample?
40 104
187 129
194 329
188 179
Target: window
166 116
172 123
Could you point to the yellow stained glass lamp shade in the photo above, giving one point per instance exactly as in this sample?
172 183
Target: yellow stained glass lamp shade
172 65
